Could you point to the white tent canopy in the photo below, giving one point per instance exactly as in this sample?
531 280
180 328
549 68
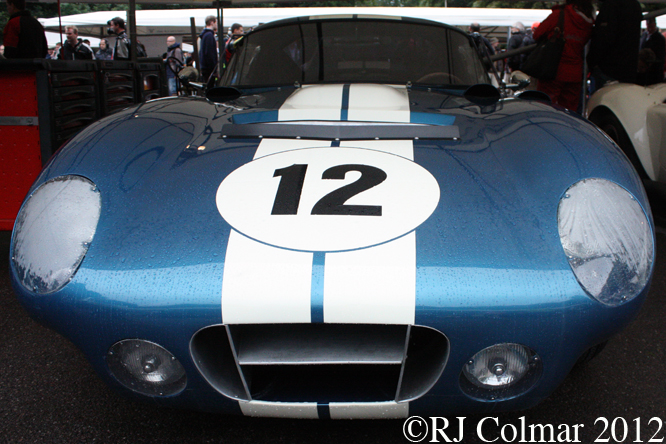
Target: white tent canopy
154 25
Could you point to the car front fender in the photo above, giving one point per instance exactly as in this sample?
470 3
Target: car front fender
631 105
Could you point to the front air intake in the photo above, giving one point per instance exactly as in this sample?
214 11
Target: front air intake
320 362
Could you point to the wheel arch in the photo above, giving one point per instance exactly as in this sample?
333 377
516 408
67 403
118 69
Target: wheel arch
602 117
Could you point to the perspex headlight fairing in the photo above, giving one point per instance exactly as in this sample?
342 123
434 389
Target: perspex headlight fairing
53 232
607 239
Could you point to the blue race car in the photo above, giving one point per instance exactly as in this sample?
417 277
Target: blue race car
357 224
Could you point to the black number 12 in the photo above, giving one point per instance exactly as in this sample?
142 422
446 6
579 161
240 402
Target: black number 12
289 191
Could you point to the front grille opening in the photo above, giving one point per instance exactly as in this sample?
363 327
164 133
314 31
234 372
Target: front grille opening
320 362
322 383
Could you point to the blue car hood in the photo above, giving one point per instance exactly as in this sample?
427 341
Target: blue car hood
173 187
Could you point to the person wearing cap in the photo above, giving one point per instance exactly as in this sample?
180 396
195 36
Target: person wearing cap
121 50
515 42
528 40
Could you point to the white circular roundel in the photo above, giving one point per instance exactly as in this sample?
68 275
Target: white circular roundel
327 199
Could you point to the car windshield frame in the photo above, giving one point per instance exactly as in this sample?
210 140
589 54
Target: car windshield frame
390 50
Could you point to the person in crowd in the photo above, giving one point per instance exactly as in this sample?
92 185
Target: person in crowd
515 42
23 36
500 64
104 52
566 88
2 50
614 47
74 48
237 32
50 53
646 58
495 43
208 48
174 52
528 40
653 40
481 41
664 34
188 74
121 49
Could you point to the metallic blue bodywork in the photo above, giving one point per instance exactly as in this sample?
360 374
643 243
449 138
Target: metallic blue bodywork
490 264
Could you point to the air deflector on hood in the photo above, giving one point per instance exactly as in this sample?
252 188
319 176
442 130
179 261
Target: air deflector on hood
340 131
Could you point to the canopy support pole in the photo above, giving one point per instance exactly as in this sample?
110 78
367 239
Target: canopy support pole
131 20
220 41
195 44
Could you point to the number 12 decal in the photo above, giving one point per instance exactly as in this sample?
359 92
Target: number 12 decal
292 178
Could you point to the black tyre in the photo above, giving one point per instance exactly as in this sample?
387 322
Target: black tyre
611 126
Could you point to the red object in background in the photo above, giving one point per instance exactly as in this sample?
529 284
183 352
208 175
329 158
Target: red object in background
20 152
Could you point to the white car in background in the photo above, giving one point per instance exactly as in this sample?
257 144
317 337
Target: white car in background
634 117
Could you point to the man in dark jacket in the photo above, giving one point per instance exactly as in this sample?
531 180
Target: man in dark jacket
208 48
515 42
652 39
74 48
121 50
483 45
615 39
23 35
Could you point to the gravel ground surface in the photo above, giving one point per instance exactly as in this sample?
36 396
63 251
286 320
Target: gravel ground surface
49 393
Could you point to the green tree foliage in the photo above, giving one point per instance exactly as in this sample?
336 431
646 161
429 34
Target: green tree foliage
47 10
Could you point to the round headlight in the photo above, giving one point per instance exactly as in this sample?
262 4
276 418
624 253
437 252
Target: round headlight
146 368
501 371
498 366
53 231
607 238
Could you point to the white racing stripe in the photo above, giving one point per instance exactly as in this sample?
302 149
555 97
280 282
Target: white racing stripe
304 410
374 285
369 410
266 284
379 103
320 102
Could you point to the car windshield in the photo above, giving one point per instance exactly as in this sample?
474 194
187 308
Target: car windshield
355 51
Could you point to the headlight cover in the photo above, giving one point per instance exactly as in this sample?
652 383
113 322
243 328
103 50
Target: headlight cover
607 238
146 368
500 372
53 231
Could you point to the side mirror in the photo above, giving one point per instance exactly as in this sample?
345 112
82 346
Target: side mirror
519 80
221 94
482 94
